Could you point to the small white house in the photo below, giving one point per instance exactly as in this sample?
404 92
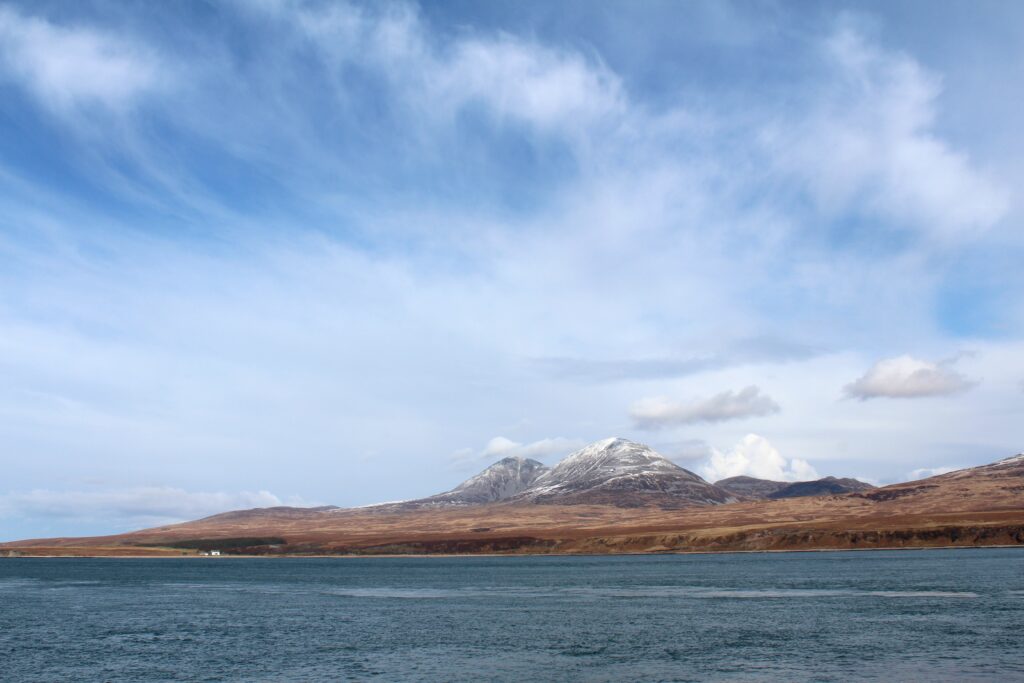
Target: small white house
215 552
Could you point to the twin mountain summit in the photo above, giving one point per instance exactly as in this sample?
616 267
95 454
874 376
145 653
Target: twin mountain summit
619 472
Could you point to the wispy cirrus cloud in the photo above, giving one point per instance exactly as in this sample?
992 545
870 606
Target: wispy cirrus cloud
67 67
749 350
868 145
662 412
514 79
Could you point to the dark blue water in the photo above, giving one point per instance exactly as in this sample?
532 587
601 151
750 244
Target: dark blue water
901 615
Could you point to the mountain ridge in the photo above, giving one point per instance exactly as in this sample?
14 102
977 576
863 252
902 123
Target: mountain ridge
752 488
982 505
612 471
621 472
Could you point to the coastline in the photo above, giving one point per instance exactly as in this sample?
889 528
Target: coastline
362 556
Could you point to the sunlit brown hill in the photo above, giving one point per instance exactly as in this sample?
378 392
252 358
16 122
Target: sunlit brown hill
614 496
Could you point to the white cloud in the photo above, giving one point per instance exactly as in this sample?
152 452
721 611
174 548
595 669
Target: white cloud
925 472
513 78
500 447
660 412
66 67
525 81
868 144
148 505
907 377
754 456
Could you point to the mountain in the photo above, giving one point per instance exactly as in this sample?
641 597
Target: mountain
503 480
609 472
1005 476
979 506
624 473
752 488
820 487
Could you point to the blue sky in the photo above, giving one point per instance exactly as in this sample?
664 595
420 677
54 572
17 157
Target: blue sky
293 252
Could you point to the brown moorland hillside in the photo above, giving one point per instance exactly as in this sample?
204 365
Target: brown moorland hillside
972 507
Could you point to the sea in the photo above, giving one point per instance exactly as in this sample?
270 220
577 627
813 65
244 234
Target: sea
913 615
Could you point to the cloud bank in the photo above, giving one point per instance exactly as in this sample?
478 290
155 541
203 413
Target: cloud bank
152 505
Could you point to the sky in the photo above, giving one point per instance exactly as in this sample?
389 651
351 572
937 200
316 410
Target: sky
286 252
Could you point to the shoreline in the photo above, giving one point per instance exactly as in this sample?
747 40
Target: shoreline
413 556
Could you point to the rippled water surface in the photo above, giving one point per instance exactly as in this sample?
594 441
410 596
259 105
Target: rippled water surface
899 615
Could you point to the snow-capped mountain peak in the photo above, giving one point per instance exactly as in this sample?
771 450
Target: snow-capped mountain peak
610 457
612 471
502 480
617 469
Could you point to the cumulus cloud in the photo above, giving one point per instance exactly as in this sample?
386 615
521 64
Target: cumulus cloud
661 412
66 67
500 447
869 145
754 456
147 505
908 377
